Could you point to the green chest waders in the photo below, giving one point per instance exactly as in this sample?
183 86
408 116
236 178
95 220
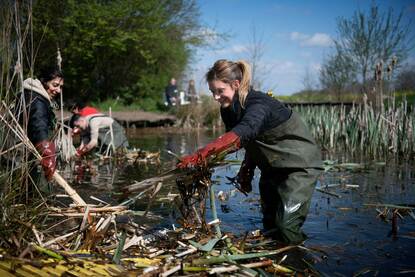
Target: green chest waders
290 163
117 137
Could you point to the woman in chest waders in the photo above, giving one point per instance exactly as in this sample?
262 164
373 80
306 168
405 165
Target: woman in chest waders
276 141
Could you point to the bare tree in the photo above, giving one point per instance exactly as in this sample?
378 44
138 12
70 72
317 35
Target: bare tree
367 39
405 80
337 74
255 56
308 80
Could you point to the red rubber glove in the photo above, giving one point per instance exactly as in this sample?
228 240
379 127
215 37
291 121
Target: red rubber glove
81 151
48 152
246 174
228 142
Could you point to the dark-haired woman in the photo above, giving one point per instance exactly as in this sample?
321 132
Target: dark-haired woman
36 112
276 141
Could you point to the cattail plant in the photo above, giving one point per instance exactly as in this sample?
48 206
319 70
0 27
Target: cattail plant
362 129
375 128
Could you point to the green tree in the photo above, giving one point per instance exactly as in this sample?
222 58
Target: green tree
121 48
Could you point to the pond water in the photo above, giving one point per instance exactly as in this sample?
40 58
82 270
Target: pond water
348 235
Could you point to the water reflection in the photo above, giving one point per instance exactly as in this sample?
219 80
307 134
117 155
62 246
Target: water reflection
348 234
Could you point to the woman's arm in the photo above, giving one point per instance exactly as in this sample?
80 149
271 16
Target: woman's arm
226 143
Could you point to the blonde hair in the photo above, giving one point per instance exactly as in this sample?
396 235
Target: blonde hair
228 71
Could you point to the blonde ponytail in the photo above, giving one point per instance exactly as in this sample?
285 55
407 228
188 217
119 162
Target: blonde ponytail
245 81
228 71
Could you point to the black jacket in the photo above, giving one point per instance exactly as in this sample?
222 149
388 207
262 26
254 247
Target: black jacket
170 91
41 118
273 135
261 113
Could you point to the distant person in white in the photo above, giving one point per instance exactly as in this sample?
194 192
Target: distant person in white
96 130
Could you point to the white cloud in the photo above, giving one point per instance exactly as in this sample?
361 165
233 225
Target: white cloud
298 36
234 49
317 39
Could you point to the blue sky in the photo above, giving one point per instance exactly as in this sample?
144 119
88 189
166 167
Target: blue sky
296 35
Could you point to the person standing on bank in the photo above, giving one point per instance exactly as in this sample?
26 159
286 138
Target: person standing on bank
171 92
38 100
96 129
276 141
191 92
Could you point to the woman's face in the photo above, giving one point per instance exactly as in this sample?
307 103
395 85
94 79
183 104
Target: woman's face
54 86
81 123
223 92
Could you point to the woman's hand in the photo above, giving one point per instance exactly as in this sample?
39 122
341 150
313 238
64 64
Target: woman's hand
81 151
246 174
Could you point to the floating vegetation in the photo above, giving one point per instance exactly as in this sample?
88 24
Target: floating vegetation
131 156
163 254
109 240
141 156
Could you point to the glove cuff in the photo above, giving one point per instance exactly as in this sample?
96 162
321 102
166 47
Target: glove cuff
228 142
48 162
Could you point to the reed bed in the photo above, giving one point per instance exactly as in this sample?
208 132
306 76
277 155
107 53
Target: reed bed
364 130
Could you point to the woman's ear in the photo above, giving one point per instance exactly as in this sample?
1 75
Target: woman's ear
235 84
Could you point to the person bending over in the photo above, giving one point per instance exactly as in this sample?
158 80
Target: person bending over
80 109
275 139
99 129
